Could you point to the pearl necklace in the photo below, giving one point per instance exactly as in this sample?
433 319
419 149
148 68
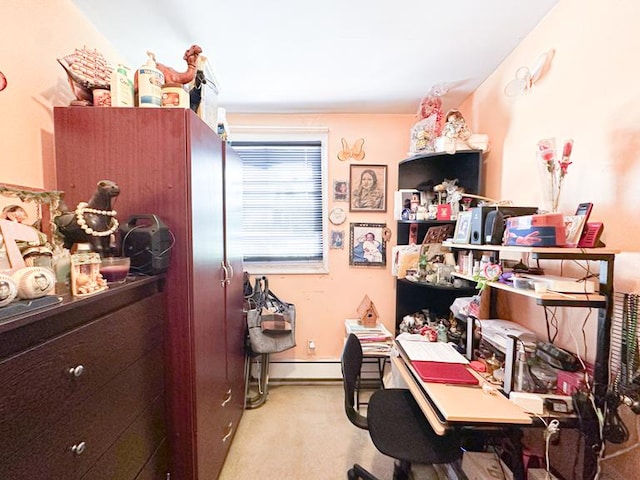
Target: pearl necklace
83 207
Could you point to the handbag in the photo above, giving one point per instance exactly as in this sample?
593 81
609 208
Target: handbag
271 321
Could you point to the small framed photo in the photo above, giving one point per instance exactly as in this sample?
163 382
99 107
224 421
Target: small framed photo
368 188
340 191
462 233
367 247
337 239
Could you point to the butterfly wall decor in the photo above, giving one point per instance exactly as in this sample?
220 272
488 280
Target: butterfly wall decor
356 152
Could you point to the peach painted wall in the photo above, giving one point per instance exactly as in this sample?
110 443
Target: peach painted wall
34 34
590 93
324 301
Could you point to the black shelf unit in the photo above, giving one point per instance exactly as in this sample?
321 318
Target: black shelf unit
422 172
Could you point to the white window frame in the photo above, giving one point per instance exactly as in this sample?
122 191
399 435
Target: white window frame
321 134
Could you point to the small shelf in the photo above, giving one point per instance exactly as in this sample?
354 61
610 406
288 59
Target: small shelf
549 299
540 252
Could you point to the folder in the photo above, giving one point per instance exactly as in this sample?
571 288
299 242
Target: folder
444 372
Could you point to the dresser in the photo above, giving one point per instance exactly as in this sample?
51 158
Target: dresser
82 387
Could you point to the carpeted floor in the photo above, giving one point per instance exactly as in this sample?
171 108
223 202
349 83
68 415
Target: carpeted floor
302 432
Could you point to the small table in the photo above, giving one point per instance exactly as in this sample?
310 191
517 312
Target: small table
376 345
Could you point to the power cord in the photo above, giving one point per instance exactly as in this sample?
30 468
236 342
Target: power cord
552 430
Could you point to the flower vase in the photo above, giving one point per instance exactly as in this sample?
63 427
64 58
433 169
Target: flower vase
548 171
550 191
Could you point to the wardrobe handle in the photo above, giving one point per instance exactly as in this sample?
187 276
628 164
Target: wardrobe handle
225 277
76 371
78 448
227 399
231 273
230 431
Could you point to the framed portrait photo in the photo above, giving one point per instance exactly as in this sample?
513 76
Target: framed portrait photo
462 233
340 191
337 239
367 247
368 188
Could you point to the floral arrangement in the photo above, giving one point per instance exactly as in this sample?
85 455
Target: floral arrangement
553 171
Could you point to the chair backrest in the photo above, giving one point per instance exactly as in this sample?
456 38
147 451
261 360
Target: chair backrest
351 365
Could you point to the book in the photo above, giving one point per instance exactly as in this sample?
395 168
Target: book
444 372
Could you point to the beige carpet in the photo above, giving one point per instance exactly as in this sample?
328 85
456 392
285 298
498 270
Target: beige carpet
302 432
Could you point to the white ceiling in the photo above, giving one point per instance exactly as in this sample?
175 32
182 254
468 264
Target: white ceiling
335 56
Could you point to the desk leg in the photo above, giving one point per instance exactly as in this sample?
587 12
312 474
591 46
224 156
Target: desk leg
517 466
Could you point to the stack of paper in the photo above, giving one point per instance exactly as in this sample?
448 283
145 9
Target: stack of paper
374 340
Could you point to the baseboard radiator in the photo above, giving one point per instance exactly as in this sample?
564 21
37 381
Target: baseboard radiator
320 370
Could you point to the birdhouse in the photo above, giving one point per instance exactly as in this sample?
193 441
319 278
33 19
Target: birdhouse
367 312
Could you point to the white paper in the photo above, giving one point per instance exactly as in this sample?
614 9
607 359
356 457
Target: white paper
432 352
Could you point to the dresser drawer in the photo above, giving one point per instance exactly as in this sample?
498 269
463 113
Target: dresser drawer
131 452
69 448
47 383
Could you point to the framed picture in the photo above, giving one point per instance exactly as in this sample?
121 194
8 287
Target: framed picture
337 239
368 188
462 234
367 246
340 191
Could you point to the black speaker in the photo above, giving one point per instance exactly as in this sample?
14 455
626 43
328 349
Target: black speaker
479 217
494 227
148 242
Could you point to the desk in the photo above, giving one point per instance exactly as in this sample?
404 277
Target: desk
448 406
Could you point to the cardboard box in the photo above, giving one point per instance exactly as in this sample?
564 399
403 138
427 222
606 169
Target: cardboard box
545 230
484 466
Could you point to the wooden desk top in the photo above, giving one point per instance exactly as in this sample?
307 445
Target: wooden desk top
450 405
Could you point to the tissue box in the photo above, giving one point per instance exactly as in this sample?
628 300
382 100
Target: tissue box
545 230
484 466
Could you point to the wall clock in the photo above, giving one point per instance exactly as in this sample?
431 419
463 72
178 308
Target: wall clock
337 216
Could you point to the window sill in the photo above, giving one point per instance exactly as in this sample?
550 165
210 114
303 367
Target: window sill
274 268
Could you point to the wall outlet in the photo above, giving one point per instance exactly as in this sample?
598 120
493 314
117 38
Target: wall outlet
311 347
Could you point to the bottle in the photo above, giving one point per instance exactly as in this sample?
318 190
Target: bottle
150 81
524 381
122 87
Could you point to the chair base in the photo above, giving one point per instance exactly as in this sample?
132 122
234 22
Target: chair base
359 473
401 471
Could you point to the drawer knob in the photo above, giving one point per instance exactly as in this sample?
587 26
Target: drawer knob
76 371
78 448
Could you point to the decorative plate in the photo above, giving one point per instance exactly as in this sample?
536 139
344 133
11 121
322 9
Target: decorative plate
337 216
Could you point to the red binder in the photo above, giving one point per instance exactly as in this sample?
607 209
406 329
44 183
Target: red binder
444 372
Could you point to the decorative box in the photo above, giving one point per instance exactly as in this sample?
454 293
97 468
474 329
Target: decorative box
536 230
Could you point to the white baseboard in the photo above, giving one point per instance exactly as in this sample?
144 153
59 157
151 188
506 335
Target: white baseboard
318 370
298 370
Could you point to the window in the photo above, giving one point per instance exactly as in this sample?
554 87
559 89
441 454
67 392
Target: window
283 228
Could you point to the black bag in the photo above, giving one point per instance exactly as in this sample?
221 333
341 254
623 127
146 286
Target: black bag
271 321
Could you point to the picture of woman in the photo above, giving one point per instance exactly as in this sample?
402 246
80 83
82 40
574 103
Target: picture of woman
369 191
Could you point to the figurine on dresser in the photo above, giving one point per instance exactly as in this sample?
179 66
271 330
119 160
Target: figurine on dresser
92 222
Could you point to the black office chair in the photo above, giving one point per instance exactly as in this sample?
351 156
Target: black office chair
397 426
